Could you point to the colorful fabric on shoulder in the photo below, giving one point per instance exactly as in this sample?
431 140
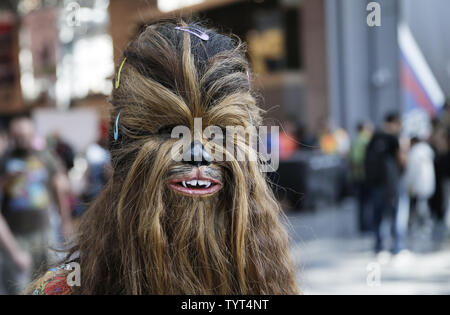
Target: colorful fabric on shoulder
54 282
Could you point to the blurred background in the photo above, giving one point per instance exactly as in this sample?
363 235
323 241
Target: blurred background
359 89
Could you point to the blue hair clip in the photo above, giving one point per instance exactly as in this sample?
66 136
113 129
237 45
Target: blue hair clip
196 32
250 116
116 127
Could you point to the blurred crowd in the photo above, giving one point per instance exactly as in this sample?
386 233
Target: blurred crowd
401 180
44 188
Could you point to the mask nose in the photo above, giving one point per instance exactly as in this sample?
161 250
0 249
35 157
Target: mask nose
197 155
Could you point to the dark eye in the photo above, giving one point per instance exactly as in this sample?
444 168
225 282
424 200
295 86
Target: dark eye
217 134
166 131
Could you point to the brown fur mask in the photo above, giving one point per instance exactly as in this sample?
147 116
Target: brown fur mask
141 236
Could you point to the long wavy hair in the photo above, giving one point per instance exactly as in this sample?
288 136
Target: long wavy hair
140 236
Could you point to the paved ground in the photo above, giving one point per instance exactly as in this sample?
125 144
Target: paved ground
334 259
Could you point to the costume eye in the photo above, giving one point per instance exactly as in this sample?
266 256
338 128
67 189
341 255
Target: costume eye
166 131
218 132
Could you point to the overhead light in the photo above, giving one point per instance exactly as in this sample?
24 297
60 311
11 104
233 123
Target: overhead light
171 5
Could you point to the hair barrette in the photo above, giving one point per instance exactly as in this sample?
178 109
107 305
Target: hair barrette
196 32
116 127
118 73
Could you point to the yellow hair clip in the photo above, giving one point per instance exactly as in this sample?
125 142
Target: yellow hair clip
118 73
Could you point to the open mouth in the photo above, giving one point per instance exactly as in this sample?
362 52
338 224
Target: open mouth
196 186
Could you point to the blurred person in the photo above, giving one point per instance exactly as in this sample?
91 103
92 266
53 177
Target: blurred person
97 175
288 141
383 166
343 141
445 226
64 152
327 141
62 149
438 137
437 202
357 157
445 115
3 141
420 177
30 180
333 140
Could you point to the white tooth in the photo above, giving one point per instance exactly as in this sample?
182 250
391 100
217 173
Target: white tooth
208 184
184 184
202 182
192 182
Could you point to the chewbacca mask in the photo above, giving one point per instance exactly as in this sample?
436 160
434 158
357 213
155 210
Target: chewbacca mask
188 227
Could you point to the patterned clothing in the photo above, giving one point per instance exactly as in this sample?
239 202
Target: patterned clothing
54 282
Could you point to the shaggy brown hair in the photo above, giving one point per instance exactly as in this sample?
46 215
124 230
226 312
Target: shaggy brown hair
140 236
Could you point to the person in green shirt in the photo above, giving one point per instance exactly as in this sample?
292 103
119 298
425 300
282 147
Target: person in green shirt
357 158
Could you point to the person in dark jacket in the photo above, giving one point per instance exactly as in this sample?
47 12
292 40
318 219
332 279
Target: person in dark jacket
383 166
